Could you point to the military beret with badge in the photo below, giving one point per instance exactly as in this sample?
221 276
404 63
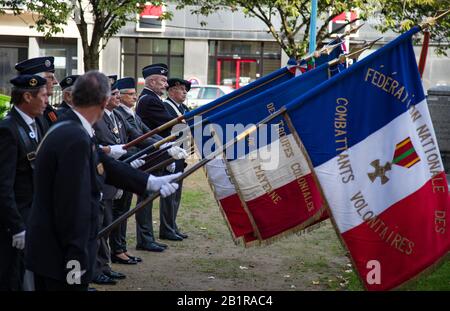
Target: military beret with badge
155 69
27 81
68 81
36 65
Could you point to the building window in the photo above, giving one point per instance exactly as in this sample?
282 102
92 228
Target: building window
140 52
12 51
66 61
237 63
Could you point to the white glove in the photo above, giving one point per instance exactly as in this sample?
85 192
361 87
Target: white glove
137 163
177 153
171 167
119 194
18 240
156 184
168 189
117 151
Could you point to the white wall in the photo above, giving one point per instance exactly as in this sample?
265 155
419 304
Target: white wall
196 60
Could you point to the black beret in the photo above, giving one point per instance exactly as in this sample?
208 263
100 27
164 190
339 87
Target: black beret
36 65
28 81
155 69
112 79
176 81
126 83
68 81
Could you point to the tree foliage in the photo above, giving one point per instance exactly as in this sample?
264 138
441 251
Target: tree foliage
401 15
106 17
294 17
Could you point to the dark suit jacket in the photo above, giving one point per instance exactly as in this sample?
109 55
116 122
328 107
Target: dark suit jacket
182 109
152 111
104 132
137 123
50 116
62 109
16 173
68 182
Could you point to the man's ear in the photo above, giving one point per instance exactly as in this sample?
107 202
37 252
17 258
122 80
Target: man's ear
27 97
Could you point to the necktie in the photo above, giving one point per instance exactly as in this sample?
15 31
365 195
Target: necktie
35 132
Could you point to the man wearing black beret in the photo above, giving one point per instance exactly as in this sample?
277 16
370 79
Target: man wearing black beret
177 90
66 86
20 133
44 67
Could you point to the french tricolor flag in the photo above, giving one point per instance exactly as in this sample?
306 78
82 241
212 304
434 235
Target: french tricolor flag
268 177
371 141
224 191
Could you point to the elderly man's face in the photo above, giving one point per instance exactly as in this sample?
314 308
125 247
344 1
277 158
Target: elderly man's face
114 100
157 83
128 97
178 93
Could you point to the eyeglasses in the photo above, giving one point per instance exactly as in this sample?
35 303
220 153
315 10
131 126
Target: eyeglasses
128 93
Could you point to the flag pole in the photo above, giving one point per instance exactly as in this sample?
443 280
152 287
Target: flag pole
312 27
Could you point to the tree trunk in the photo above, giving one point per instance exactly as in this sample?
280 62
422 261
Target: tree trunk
91 60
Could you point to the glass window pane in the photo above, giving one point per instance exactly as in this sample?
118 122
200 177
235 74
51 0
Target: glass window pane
239 48
210 93
270 65
145 46
212 48
148 60
128 45
176 69
211 70
160 46
271 48
177 47
128 65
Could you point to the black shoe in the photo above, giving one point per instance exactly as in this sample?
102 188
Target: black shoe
171 237
114 275
150 247
137 259
183 235
103 279
129 261
161 244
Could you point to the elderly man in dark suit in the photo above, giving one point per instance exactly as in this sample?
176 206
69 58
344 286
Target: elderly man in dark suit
144 223
43 66
153 112
66 85
20 133
177 90
70 171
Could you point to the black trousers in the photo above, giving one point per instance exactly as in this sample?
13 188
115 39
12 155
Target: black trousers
168 211
144 224
103 259
12 266
42 283
118 236
170 205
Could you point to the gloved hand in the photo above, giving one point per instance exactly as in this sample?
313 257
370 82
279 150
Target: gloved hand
119 194
116 151
168 189
171 167
137 163
18 240
156 184
177 153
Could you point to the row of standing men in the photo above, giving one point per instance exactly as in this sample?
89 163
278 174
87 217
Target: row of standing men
23 130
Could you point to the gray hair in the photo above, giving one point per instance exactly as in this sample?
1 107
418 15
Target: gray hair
91 89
